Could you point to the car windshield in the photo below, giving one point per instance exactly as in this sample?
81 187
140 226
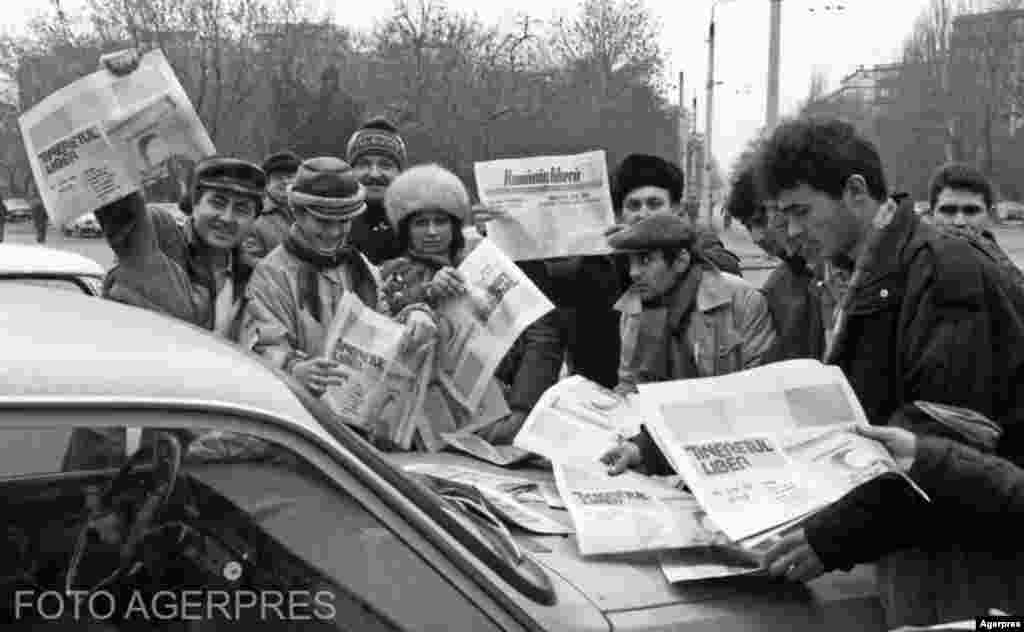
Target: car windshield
460 510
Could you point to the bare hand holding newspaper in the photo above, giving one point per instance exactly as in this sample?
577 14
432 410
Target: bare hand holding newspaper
104 136
547 206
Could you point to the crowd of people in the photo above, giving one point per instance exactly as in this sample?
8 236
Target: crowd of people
912 309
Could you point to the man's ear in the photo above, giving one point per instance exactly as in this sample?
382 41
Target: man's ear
855 192
682 262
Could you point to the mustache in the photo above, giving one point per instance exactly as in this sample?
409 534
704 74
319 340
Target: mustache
372 181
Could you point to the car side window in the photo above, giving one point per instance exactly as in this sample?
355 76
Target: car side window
242 517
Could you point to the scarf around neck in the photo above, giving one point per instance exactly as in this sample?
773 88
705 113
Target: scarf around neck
314 262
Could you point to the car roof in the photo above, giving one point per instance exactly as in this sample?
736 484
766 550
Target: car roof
129 354
25 259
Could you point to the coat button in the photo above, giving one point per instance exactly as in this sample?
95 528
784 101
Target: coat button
884 293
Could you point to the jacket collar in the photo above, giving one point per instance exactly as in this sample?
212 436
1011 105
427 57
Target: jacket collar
702 287
894 226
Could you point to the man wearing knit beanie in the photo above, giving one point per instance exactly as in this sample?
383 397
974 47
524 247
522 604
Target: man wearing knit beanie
377 154
273 224
295 290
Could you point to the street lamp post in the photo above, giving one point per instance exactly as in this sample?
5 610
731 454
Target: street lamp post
709 112
771 117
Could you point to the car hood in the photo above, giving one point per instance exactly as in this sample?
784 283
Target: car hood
633 593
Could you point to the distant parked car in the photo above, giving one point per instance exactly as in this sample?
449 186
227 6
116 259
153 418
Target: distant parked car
18 209
1008 209
85 226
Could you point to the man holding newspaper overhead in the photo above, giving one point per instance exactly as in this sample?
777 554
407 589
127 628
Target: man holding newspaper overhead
295 290
926 319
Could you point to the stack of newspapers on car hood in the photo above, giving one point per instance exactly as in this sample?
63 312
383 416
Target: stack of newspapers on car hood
756 453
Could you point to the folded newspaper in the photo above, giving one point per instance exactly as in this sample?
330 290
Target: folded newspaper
382 391
767 447
104 136
501 492
630 512
478 328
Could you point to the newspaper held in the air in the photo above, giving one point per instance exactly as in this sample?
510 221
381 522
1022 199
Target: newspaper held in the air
767 446
501 491
103 136
381 392
479 327
577 420
630 512
551 206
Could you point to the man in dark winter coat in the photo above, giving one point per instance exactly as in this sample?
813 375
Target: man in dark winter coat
274 222
377 153
926 318
792 290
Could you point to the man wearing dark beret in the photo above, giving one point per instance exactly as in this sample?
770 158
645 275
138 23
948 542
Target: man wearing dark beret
273 224
681 318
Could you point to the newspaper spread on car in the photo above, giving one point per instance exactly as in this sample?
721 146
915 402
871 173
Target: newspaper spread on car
630 512
697 564
501 492
381 391
479 327
764 447
549 206
575 420
103 136
500 455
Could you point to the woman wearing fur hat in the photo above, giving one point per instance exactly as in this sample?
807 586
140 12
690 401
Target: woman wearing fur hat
295 289
428 207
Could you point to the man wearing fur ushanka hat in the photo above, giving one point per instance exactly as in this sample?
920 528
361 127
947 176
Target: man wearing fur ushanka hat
294 291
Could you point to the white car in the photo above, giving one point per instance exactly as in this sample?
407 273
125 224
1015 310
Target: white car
49 267
150 465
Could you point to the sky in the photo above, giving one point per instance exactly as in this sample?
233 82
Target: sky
815 37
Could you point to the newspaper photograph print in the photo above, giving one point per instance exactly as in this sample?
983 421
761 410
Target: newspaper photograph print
551 206
135 124
155 135
480 327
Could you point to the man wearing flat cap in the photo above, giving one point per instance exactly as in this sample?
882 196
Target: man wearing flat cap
681 318
274 222
192 270
295 289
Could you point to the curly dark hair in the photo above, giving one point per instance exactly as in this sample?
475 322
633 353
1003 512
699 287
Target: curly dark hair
822 153
957 175
744 196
